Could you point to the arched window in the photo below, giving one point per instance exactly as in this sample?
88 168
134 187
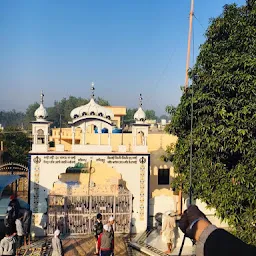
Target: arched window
108 117
76 116
100 114
84 114
104 130
40 136
92 113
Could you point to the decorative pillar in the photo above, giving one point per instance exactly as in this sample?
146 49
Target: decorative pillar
99 132
73 135
84 135
109 139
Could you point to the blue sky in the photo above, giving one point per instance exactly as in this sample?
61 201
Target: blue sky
125 47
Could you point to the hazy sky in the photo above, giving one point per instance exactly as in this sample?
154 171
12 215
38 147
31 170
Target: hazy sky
125 47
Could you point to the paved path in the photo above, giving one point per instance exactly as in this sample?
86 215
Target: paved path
75 246
86 245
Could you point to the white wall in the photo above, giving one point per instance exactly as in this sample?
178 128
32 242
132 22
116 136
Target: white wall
46 168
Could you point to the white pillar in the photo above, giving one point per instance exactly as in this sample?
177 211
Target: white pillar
109 139
99 132
73 135
84 136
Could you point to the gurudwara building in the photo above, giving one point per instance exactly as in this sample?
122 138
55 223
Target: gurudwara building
94 167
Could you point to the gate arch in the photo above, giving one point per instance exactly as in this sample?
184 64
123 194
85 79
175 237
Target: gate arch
22 183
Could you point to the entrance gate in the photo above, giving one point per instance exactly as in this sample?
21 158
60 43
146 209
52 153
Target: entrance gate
77 214
21 185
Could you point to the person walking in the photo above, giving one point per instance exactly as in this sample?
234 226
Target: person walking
57 249
20 231
98 229
44 222
111 222
27 217
8 244
168 230
106 242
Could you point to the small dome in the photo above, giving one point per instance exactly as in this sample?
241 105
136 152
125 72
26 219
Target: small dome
140 115
41 113
92 109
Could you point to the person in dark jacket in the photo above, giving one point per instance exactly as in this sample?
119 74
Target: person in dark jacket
106 242
27 217
9 220
98 229
14 203
210 240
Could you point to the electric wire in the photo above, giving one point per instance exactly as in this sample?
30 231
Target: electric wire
199 22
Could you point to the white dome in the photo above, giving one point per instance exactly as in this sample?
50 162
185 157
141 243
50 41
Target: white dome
92 109
41 113
140 115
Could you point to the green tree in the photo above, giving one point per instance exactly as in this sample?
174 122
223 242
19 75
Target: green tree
129 117
16 145
224 134
11 118
29 115
150 114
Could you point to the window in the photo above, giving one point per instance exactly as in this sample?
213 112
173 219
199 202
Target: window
163 176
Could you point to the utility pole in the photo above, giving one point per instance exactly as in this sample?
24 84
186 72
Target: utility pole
191 14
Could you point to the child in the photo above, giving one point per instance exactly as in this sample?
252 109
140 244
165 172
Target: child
106 242
7 244
98 229
57 249
19 229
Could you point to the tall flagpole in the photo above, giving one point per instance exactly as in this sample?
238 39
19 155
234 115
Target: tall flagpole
191 14
189 41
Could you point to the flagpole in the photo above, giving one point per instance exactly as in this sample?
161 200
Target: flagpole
191 14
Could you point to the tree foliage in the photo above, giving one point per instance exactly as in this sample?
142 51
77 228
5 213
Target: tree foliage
224 123
16 145
129 118
11 118
150 114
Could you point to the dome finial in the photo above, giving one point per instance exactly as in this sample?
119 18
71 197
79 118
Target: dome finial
140 115
92 89
42 97
41 113
140 100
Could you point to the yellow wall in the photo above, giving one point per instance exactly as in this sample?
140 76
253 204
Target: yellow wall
157 143
119 112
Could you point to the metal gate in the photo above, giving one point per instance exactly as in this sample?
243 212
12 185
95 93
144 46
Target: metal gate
21 186
77 214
